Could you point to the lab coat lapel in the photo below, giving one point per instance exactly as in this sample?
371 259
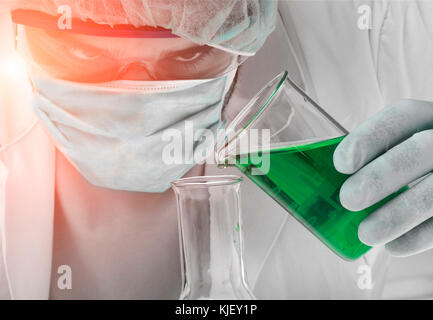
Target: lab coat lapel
27 212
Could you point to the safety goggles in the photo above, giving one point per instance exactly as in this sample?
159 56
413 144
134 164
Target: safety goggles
88 52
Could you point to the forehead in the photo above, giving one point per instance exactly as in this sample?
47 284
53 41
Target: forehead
120 47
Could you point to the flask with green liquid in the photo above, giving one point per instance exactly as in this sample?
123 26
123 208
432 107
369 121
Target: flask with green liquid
284 142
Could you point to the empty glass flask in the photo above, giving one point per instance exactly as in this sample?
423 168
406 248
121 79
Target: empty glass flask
211 245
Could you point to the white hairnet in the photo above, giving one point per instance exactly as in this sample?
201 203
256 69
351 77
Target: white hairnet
241 26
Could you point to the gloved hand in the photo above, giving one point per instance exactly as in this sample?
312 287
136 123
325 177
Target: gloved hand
384 154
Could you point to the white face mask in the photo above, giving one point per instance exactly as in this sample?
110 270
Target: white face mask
112 132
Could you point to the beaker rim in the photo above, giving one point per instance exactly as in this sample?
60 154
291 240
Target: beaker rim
207 181
255 108
236 127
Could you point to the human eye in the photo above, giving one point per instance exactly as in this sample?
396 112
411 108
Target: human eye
83 53
188 64
191 55
64 58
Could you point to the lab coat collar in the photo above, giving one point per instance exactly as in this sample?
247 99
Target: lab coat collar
27 170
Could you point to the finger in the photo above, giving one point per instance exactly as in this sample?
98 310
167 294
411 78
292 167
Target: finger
388 128
390 172
413 242
398 216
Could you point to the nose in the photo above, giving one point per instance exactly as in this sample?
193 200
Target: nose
136 71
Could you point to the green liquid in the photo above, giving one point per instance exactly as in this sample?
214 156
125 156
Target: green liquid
304 181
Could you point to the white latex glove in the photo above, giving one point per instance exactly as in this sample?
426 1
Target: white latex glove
384 154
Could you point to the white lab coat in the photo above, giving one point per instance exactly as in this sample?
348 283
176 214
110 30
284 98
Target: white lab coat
345 69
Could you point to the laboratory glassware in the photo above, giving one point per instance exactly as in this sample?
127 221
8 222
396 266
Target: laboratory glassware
211 243
284 142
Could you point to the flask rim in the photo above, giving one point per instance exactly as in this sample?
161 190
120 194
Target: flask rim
207 181
247 116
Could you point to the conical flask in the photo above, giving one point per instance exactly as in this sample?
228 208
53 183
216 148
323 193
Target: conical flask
211 242
284 142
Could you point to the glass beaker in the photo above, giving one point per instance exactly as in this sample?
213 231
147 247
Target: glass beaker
210 232
284 142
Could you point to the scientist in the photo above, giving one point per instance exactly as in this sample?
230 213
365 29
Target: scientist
82 184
